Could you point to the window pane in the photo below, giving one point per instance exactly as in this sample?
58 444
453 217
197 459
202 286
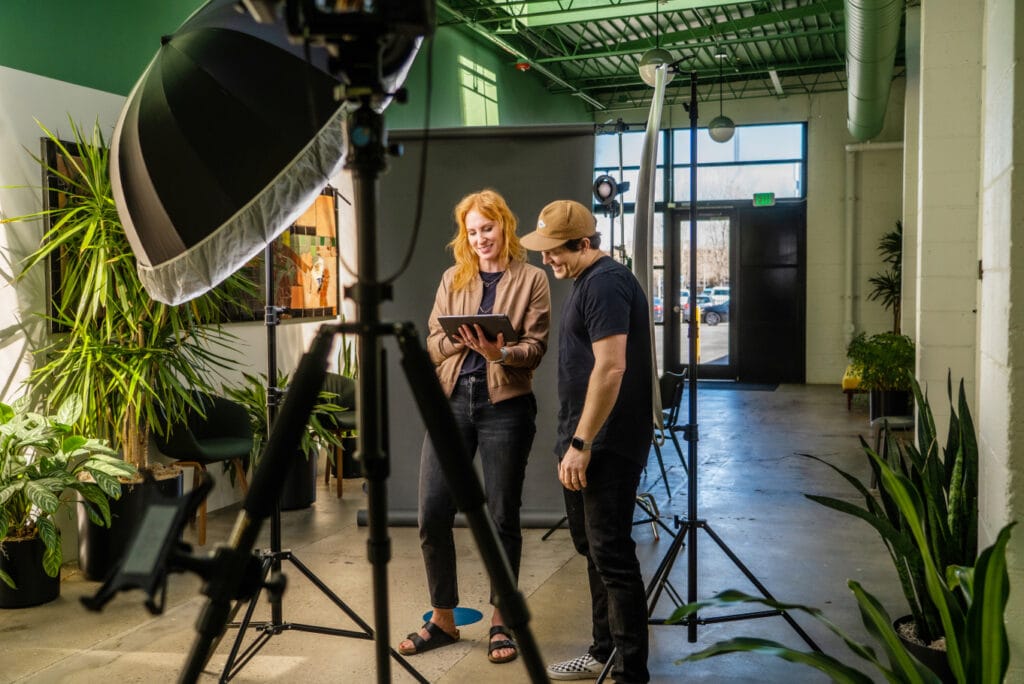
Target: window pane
750 143
606 149
739 182
761 143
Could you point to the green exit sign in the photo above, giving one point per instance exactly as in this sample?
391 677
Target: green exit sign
764 199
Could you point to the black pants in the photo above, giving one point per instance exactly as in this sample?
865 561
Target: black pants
503 433
601 524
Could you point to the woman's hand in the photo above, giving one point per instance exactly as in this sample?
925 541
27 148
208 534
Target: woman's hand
475 339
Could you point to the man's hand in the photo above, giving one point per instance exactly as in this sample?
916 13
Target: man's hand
572 469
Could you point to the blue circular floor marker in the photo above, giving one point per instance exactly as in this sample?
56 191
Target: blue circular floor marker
463 616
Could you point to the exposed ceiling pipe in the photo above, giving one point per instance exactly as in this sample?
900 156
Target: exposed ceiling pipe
520 56
872 36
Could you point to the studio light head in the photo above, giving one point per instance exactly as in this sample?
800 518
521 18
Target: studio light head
605 190
232 131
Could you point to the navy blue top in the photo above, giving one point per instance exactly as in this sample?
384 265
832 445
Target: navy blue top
606 300
474 361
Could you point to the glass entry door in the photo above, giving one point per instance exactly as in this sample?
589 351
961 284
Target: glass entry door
712 300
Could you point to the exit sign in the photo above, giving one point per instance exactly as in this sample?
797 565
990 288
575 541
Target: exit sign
764 199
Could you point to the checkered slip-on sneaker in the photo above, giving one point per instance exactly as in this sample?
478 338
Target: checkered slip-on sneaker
583 667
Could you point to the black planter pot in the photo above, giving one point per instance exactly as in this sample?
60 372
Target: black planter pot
934 659
299 489
22 559
100 548
890 403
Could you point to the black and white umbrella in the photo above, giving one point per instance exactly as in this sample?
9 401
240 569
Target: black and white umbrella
226 138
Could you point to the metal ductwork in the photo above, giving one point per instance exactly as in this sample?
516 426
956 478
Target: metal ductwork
872 36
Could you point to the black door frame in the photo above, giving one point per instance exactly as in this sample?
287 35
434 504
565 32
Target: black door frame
678 218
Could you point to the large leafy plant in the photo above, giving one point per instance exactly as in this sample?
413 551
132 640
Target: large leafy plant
927 515
42 460
977 647
320 431
883 362
131 361
945 480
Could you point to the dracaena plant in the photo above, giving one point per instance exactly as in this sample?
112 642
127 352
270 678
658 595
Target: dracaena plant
42 460
133 362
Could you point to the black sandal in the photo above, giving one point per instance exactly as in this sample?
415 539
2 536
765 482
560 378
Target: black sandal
500 644
438 638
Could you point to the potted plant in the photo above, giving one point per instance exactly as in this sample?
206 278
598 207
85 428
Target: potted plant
299 488
887 285
885 364
927 515
42 459
977 647
131 361
944 479
348 366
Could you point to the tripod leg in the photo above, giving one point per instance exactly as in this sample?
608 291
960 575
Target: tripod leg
661 464
553 528
468 493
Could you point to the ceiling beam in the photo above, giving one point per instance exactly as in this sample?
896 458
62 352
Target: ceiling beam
695 45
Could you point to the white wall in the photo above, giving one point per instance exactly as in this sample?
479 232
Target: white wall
24 98
1000 344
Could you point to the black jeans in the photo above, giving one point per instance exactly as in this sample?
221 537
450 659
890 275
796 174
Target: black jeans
601 523
503 434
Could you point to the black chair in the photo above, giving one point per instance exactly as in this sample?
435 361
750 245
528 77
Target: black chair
222 433
670 385
344 421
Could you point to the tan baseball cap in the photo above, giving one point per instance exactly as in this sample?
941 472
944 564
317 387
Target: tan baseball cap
560 221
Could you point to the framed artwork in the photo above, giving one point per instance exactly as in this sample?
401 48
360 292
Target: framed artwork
305 272
305 266
56 168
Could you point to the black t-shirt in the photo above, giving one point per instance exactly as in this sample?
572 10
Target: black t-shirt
605 300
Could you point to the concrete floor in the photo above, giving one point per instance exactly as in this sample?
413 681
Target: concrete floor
751 494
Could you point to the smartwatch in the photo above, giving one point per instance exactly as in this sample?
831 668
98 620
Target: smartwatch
578 443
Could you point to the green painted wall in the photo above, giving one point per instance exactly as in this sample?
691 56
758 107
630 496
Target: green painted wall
106 44
102 44
522 98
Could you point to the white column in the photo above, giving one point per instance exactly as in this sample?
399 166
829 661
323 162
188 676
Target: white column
948 181
1000 344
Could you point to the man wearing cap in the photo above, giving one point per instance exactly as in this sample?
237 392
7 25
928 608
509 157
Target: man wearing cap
604 432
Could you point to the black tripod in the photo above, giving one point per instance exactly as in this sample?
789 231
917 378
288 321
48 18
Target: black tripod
688 526
272 558
366 158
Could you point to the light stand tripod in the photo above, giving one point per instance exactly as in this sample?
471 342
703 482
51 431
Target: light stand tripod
366 158
272 558
688 526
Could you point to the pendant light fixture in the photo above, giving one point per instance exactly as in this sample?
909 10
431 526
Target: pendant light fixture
721 127
656 56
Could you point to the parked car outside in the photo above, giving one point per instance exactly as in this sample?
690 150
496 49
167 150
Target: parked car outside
658 310
714 314
719 294
703 301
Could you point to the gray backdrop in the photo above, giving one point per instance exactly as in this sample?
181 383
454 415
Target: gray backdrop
529 167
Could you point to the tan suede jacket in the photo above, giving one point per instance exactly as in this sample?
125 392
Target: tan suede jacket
524 296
